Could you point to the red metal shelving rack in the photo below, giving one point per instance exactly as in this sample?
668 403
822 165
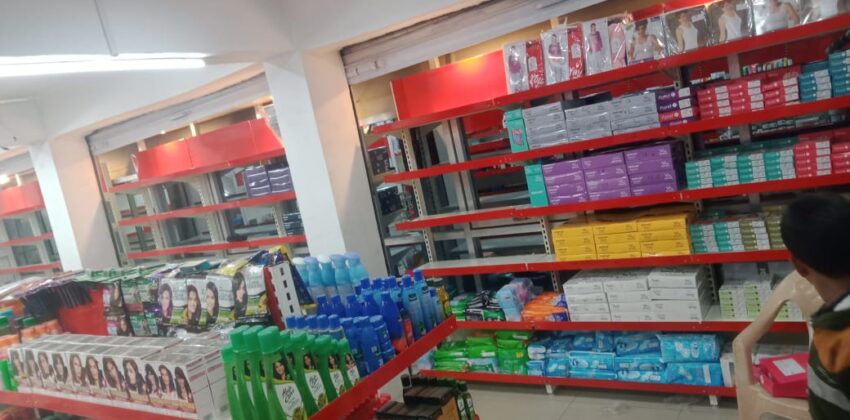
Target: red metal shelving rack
194 211
583 383
193 249
27 240
705 326
369 386
76 407
32 268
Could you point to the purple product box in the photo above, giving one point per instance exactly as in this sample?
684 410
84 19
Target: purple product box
666 96
603 173
565 189
677 105
609 195
648 178
663 187
651 165
608 184
602 161
568 178
568 199
677 122
659 151
562 167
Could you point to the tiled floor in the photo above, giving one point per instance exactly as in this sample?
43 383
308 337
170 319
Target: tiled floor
502 402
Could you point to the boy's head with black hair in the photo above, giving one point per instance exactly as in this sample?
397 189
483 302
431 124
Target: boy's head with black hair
816 231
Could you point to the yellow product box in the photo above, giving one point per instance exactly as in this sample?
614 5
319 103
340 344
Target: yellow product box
666 222
573 227
663 235
619 256
667 253
654 247
577 240
617 248
575 257
608 228
616 238
578 249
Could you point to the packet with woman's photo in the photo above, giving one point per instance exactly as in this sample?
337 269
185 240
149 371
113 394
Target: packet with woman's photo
172 299
773 15
221 288
824 9
730 20
687 29
645 40
195 314
250 294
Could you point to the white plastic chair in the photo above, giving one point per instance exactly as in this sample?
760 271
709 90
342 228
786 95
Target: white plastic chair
753 400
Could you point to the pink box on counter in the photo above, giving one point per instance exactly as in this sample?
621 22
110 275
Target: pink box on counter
568 199
566 189
649 178
609 195
603 173
663 187
602 161
562 167
607 184
650 165
785 376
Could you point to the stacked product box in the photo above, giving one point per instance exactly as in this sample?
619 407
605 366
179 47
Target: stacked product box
606 176
515 126
839 72
564 182
280 179
586 298
744 299
736 234
588 121
536 182
754 162
677 105
766 166
616 239
680 293
812 155
634 113
257 181
840 156
716 171
628 295
121 366
574 241
545 125
815 82
655 169
664 235
754 93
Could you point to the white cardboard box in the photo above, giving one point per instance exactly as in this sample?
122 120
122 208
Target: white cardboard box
673 277
640 296
631 307
585 298
632 316
590 317
588 308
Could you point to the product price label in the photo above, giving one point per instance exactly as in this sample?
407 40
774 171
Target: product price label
317 389
290 400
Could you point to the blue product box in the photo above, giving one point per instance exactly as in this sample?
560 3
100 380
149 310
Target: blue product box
650 362
637 343
643 376
690 347
592 374
704 374
592 360
557 367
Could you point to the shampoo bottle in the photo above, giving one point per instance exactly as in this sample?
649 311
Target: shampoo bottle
341 275
348 365
353 307
291 388
413 307
252 343
270 349
329 367
237 341
296 352
439 315
231 375
424 299
392 317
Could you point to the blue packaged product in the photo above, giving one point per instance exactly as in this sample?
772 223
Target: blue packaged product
301 323
337 308
690 347
560 348
356 270
388 354
395 292
328 275
604 341
290 322
536 367
392 318
695 373
412 306
537 350
354 340
369 344
439 313
643 376
584 341
353 308
648 362
592 360
370 307
365 290
323 307
335 328
421 287
558 367
637 343
592 374
342 279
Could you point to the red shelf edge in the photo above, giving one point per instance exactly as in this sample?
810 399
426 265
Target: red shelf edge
32 268
652 199
21 211
369 386
628 138
692 259
796 33
720 391
188 212
75 407
27 240
706 326
191 249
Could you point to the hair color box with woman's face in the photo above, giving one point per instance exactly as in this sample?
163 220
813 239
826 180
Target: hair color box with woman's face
131 365
224 285
196 301
255 284
211 355
178 298
687 29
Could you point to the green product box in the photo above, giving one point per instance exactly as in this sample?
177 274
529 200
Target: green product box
536 185
515 126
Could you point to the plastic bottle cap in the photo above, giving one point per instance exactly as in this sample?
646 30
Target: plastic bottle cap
227 353
352 256
269 339
322 322
323 259
312 322
336 300
237 338
322 300
302 322
417 274
291 321
406 281
311 261
364 283
361 321
333 322
433 292
252 342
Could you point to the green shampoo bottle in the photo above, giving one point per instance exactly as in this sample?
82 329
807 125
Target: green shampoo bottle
348 366
329 367
312 374
252 344
237 342
270 349
287 387
230 376
295 352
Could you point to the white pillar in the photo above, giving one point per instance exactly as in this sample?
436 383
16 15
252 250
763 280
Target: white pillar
73 202
316 117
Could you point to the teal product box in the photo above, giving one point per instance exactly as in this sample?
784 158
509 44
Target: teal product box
840 77
814 66
515 126
536 185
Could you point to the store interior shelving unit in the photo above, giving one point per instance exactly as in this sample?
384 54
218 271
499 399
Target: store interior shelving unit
26 242
455 237
186 193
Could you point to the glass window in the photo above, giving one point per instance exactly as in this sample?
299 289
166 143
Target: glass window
175 195
186 231
26 255
250 222
17 228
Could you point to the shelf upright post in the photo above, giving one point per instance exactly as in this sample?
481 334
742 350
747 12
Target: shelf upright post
152 207
215 221
421 210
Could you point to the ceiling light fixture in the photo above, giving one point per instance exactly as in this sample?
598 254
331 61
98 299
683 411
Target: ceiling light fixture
4 179
64 64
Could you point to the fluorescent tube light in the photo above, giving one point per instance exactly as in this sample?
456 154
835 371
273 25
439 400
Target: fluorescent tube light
63 64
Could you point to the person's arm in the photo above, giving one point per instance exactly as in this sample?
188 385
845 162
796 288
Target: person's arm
722 26
680 39
632 48
792 14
